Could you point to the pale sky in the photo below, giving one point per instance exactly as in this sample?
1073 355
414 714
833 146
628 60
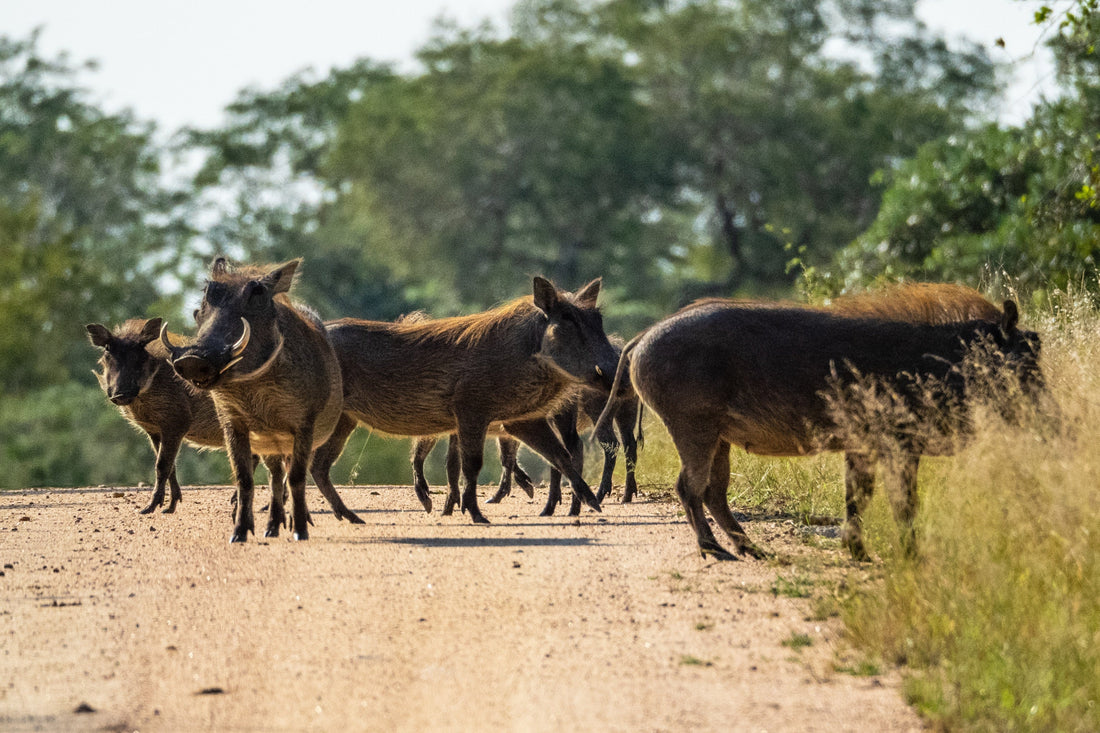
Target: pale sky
180 62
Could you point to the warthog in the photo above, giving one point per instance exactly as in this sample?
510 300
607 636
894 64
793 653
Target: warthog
274 379
784 381
511 366
137 376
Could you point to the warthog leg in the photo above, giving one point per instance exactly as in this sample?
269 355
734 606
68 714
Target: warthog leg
321 465
859 485
276 473
625 420
566 423
454 468
700 448
900 478
610 445
509 468
421 448
240 459
717 502
167 447
296 477
471 447
540 437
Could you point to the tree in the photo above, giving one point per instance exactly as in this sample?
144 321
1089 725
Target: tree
777 136
507 158
1017 202
85 225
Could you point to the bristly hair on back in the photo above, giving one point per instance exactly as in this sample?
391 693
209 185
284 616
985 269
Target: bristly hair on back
470 329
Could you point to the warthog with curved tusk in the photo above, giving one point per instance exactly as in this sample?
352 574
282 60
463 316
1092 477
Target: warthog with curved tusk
274 379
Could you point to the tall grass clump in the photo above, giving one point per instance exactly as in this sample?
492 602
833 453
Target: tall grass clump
998 619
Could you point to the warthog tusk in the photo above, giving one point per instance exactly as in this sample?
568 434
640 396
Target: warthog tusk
242 343
231 363
167 341
599 372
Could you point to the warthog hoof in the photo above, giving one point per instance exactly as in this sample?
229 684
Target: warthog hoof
353 518
157 501
750 549
300 535
425 499
240 534
713 550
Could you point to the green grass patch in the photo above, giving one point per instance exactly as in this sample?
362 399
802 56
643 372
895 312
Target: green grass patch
690 661
797 641
797 587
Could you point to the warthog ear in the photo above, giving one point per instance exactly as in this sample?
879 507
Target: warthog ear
1011 317
586 296
98 335
547 299
220 266
150 331
281 278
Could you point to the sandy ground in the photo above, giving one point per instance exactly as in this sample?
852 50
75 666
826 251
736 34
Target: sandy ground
111 620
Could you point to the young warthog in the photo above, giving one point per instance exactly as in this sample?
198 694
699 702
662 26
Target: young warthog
274 380
783 381
513 365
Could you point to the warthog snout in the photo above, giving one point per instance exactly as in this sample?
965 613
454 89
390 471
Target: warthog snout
196 370
204 369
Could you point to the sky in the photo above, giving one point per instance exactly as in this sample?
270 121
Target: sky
180 62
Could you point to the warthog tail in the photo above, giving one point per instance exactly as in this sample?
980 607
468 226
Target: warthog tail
624 363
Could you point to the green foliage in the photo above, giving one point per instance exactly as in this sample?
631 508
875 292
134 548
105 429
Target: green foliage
981 204
797 641
999 621
83 219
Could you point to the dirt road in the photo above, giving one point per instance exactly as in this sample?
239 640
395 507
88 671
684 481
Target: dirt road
413 622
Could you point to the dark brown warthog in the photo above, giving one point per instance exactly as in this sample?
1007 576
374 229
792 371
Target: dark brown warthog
513 365
138 378
274 380
780 380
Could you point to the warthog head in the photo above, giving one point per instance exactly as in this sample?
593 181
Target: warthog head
1014 352
574 340
237 334
126 368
